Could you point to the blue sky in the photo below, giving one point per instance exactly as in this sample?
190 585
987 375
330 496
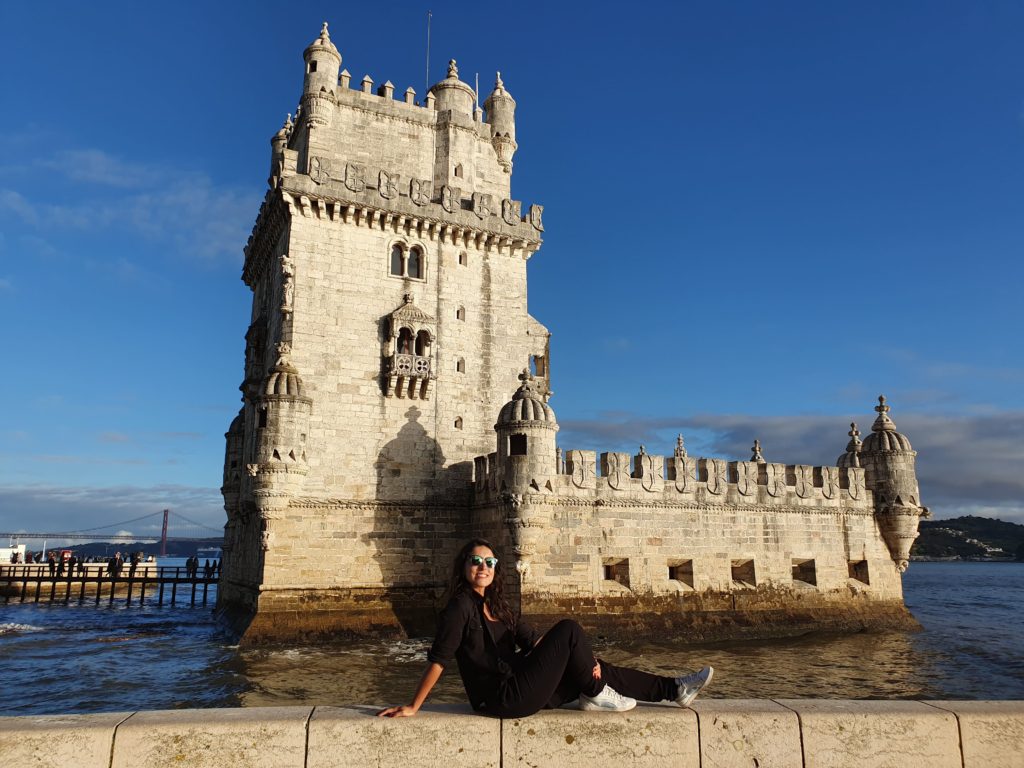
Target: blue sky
759 216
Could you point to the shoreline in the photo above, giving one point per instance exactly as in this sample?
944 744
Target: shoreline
766 732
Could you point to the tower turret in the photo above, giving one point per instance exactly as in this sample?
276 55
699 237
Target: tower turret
526 430
323 63
452 94
888 461
282 414
853 448
501 114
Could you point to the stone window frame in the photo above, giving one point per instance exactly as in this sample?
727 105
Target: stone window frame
407 247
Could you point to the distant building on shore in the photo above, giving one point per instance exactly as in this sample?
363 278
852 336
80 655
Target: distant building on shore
396 402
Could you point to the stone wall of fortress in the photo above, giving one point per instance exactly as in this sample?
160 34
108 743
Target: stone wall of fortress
708 549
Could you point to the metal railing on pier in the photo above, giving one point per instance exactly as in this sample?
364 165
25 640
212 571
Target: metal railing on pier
165 584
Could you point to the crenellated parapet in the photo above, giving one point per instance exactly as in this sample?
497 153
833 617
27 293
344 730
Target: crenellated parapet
585 475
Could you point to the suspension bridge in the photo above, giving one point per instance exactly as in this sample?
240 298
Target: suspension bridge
173 526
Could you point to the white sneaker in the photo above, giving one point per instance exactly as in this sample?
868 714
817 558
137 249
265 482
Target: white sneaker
608 700
690 685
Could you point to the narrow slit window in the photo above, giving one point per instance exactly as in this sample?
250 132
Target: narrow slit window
743 573
681 571
460 366
617 570
463 258
858 570
460 313
458 422
804 572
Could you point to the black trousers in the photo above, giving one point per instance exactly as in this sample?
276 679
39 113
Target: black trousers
561 668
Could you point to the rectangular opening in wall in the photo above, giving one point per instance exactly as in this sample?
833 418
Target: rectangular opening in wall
261 418
681 571
804 573
743 574
859 571
616 569
517 445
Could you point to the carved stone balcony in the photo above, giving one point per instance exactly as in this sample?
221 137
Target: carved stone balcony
408 376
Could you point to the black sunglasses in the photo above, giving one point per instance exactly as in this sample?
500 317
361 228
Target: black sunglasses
476 560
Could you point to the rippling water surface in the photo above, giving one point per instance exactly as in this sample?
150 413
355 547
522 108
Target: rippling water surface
97 659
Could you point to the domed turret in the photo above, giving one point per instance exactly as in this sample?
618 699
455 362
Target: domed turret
282 418
501 114
322 64
526 430
453 94
888 462
853 448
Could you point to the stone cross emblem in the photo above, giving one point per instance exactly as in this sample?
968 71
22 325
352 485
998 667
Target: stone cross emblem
354 179
387 185
419 191
511 211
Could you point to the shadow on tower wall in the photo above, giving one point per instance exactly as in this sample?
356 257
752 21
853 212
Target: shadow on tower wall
420 520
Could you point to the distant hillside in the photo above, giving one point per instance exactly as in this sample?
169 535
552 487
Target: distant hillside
970 538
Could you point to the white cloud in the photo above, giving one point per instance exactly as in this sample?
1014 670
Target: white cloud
202 219
94 166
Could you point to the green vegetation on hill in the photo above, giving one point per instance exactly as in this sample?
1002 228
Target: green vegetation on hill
970 537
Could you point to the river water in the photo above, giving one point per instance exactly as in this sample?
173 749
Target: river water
80 659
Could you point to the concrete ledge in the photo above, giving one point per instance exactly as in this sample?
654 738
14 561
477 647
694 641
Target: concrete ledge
714 733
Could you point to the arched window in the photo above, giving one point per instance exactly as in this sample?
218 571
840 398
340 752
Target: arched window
422 343
397 260
458 170
460 313
405 342
460 366
458 422
415 268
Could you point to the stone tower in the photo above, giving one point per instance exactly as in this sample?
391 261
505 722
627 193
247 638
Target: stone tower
388 275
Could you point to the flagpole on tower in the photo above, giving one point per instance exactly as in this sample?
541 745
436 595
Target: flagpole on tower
426 84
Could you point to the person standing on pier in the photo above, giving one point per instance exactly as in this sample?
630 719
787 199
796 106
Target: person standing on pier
52 562
510 670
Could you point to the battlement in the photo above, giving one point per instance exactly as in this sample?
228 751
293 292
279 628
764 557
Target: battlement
707 480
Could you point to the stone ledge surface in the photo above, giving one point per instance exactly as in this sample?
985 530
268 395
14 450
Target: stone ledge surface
714 733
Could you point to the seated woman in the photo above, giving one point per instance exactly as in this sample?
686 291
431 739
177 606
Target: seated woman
481 633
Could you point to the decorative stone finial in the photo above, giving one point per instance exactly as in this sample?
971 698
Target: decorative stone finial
883 423
453 70
407 298
680 452
757 453
642 451
323 32
498 85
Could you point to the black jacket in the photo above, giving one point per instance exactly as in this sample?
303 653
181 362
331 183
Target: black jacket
465 635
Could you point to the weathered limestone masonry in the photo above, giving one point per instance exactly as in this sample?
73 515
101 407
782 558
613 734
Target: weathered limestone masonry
389 326
784 733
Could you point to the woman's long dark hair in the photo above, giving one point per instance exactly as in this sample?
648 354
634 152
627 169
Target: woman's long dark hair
494 595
